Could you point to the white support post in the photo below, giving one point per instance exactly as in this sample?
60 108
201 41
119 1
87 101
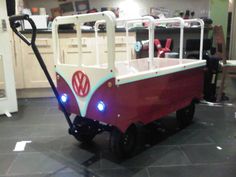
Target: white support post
150 20
181 22
96 28
127 45
106 16
79 41
201 22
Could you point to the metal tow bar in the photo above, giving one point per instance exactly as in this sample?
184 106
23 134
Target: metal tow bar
15 23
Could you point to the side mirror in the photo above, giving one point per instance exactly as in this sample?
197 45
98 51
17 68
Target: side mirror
11 7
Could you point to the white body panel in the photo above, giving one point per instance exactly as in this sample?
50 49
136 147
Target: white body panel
97 75
139 69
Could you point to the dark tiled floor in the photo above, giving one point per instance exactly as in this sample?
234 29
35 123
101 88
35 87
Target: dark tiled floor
191 152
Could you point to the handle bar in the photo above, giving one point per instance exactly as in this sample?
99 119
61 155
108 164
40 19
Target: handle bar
14 23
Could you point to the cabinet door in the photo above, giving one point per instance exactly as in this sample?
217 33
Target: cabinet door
70 55
122 51
33 74
17 61
2 80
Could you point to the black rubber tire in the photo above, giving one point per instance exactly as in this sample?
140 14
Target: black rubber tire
185 115
125 145
86 132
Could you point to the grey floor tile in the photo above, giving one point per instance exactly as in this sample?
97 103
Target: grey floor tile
157 156
194 136
209 112
176 171
35 102
199 154
122 172
77 156
34 163
54 119
66 172
48 130
218 170
230 151
77 172
38 144
193 171
53 153
5 162
154 156
225 135
14 132
44 144
173 156
29 175
7 145
72 174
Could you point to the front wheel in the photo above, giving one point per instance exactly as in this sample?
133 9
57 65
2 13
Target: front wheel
86 130
185 115
126 144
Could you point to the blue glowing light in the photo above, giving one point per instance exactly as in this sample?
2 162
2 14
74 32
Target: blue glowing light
64 98
101 106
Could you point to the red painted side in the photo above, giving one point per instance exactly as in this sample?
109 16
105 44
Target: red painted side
143 101
146 100
62 88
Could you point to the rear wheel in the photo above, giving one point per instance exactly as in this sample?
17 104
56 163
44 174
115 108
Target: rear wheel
86 130
185 115
126 144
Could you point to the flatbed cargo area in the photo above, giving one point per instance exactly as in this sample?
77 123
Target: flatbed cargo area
144 68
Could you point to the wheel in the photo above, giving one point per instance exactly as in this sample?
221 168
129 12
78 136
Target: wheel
185 115
127 144
86 130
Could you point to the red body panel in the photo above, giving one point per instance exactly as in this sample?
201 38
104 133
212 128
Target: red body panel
62 87
145 100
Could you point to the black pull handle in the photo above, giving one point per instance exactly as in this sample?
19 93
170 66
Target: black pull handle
14 23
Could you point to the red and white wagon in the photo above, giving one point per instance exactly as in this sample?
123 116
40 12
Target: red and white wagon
124 96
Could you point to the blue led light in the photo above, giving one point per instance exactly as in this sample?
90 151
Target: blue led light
64 98
101 106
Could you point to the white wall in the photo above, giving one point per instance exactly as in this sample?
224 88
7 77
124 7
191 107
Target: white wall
231 3
233 33
140 7
48 4
143 6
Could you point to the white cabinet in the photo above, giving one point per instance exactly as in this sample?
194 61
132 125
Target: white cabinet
69 48
2 80
69 51
17 61
33 74
28 73
124 47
